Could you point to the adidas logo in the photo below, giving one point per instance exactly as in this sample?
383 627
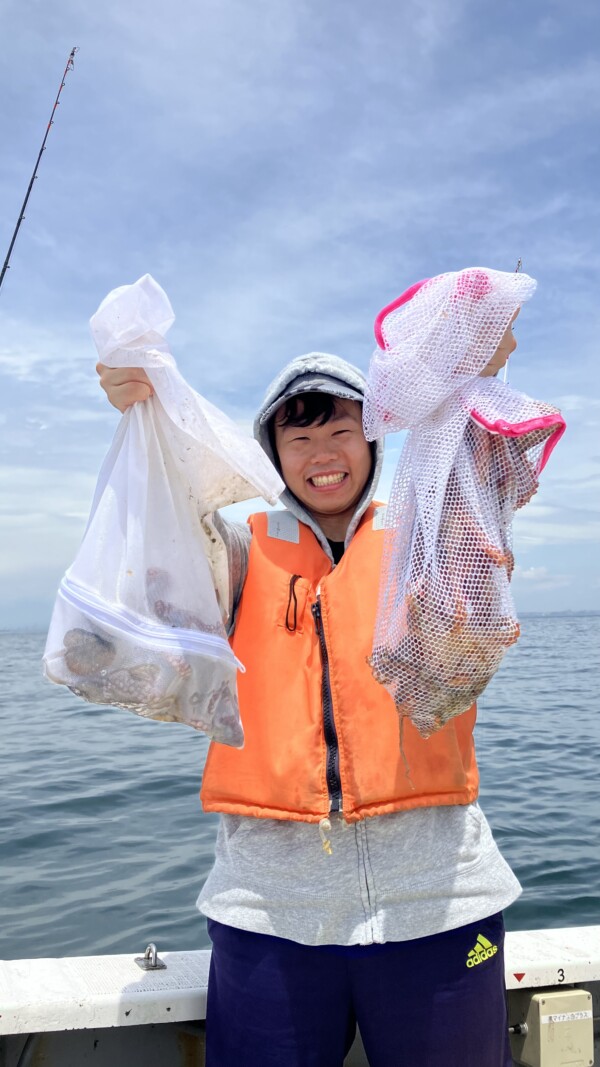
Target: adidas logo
484 950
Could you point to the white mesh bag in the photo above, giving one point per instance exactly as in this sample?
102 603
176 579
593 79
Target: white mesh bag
137 621
473 455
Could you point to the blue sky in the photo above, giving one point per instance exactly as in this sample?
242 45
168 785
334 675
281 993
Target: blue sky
284 168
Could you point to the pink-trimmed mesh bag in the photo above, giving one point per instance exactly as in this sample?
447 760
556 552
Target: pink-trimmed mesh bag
139 617
473 455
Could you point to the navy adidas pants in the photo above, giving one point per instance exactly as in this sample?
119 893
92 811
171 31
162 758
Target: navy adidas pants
435 1001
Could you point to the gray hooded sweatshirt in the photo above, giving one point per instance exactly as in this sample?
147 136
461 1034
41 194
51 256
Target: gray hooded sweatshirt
390 877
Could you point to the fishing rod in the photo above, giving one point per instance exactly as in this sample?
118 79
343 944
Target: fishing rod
69 66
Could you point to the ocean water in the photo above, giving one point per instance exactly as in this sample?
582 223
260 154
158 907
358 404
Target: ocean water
103 846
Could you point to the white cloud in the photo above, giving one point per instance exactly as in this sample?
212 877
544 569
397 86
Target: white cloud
26 493
33 353
577 402
540 578
516 112
529 530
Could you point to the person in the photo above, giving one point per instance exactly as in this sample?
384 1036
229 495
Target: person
345 891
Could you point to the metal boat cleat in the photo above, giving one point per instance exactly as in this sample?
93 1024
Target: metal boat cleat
150 960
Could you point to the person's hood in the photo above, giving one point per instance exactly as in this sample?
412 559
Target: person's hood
323 373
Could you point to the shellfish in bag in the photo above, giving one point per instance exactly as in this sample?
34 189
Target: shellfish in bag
473 455
137 621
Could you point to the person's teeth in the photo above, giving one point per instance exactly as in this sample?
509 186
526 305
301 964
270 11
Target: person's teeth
327 479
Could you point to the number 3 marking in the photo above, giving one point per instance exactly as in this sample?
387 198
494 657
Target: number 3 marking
561 975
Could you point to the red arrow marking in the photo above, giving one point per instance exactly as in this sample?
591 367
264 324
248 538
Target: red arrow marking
519 977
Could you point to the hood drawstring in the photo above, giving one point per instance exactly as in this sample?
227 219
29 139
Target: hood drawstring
324 830
292 596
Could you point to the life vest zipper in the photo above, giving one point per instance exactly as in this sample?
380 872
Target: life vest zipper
332 772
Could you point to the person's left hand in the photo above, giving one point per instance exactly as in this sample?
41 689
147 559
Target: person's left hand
503 351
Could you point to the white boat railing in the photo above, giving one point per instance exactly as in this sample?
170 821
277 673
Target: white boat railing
41 996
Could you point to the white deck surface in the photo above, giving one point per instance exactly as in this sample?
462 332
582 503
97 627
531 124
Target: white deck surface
103 991
536 958
98 991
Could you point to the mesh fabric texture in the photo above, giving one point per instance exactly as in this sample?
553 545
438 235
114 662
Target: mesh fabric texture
472 457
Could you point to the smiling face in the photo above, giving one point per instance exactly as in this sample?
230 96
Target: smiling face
325 466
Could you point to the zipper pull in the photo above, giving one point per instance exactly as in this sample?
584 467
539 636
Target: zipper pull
324 829
316 611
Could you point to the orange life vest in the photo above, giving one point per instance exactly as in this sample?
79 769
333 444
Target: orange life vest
282 772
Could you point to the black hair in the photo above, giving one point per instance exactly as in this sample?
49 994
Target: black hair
307 409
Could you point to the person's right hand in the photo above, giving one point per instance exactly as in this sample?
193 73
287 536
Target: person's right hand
124 386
